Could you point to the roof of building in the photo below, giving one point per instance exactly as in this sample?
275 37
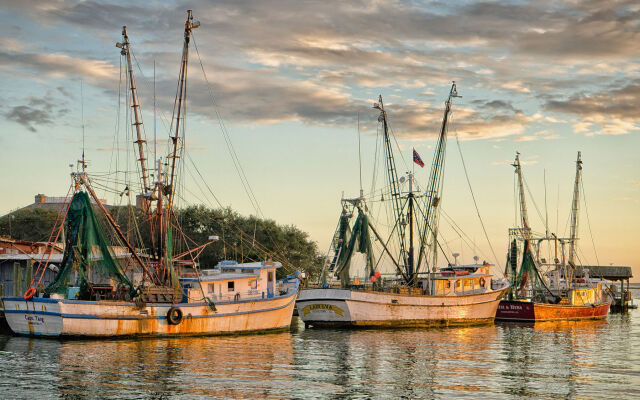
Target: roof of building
610 272
52 203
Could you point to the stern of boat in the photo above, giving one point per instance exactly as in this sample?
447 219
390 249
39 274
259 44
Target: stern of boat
324 306
36 316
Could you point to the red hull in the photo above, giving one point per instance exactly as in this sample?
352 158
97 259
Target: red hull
528 311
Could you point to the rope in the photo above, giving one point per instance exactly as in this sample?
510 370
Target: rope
475 204
584 199
227 139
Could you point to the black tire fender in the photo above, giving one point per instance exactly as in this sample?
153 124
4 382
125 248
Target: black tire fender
174 316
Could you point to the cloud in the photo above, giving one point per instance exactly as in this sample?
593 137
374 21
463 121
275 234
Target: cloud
587 30
495 105
614 111
326 61
37 112
56 66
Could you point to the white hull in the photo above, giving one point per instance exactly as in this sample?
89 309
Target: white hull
53 317
344 307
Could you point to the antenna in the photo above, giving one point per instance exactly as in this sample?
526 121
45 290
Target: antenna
155 138
360 157
82 122
546 211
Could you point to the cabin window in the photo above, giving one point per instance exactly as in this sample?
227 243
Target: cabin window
230 286
448 284
457 283
253 283
211 288
247 271
270 278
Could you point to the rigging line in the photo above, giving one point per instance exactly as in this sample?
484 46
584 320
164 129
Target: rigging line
144 130
466 174
372 189
279 251
395 140
236 161
532 199
115 144
238 166
516 220
163 117
466 239
584 199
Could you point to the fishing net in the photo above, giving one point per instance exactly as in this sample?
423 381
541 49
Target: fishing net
529 282
361 242
174 282
86 250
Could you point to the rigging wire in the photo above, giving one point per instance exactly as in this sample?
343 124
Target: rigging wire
532 199
475 204
584 199
234 156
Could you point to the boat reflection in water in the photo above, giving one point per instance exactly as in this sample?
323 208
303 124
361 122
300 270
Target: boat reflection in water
564 359
407 363
549 356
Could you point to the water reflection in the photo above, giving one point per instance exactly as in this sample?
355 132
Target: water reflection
594 359
404 363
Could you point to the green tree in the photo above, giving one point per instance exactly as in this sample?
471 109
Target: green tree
241 238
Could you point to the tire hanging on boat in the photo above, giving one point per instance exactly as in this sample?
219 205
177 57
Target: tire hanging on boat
174 316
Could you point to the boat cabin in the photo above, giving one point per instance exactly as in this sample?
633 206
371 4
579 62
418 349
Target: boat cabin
462 280
231 281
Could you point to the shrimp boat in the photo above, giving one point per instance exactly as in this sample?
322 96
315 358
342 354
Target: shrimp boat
148 297
554 294
416 294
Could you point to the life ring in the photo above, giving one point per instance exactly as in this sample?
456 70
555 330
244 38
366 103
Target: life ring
482 282
29 293
174 316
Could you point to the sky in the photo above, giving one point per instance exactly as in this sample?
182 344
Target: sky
290 80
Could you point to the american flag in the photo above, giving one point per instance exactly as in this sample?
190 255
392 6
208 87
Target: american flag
417 159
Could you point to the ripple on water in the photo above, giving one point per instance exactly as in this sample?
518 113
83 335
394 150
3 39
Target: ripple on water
593 359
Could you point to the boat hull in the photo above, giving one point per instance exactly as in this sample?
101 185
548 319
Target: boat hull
77 318
514 310
352 308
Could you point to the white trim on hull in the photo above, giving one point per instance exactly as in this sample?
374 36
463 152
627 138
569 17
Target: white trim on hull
53 317
344 307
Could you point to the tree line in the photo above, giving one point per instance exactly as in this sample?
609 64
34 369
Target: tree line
241 238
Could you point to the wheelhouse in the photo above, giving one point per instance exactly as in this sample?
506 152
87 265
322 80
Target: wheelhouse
232 281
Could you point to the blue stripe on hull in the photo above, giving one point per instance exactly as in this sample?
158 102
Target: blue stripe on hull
127 317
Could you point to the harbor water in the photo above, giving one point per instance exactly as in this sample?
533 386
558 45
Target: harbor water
590 359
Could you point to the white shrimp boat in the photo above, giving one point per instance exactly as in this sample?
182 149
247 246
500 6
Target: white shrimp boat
267 307
147 298
455 300
417 294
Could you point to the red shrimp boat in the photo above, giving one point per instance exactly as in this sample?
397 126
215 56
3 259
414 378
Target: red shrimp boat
553 295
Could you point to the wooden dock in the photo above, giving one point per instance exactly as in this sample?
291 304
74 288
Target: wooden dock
617 274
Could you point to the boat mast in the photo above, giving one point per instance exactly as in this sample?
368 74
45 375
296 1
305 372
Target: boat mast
181 95
392 176
140 141
526 230
434 188
574 213
411 266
